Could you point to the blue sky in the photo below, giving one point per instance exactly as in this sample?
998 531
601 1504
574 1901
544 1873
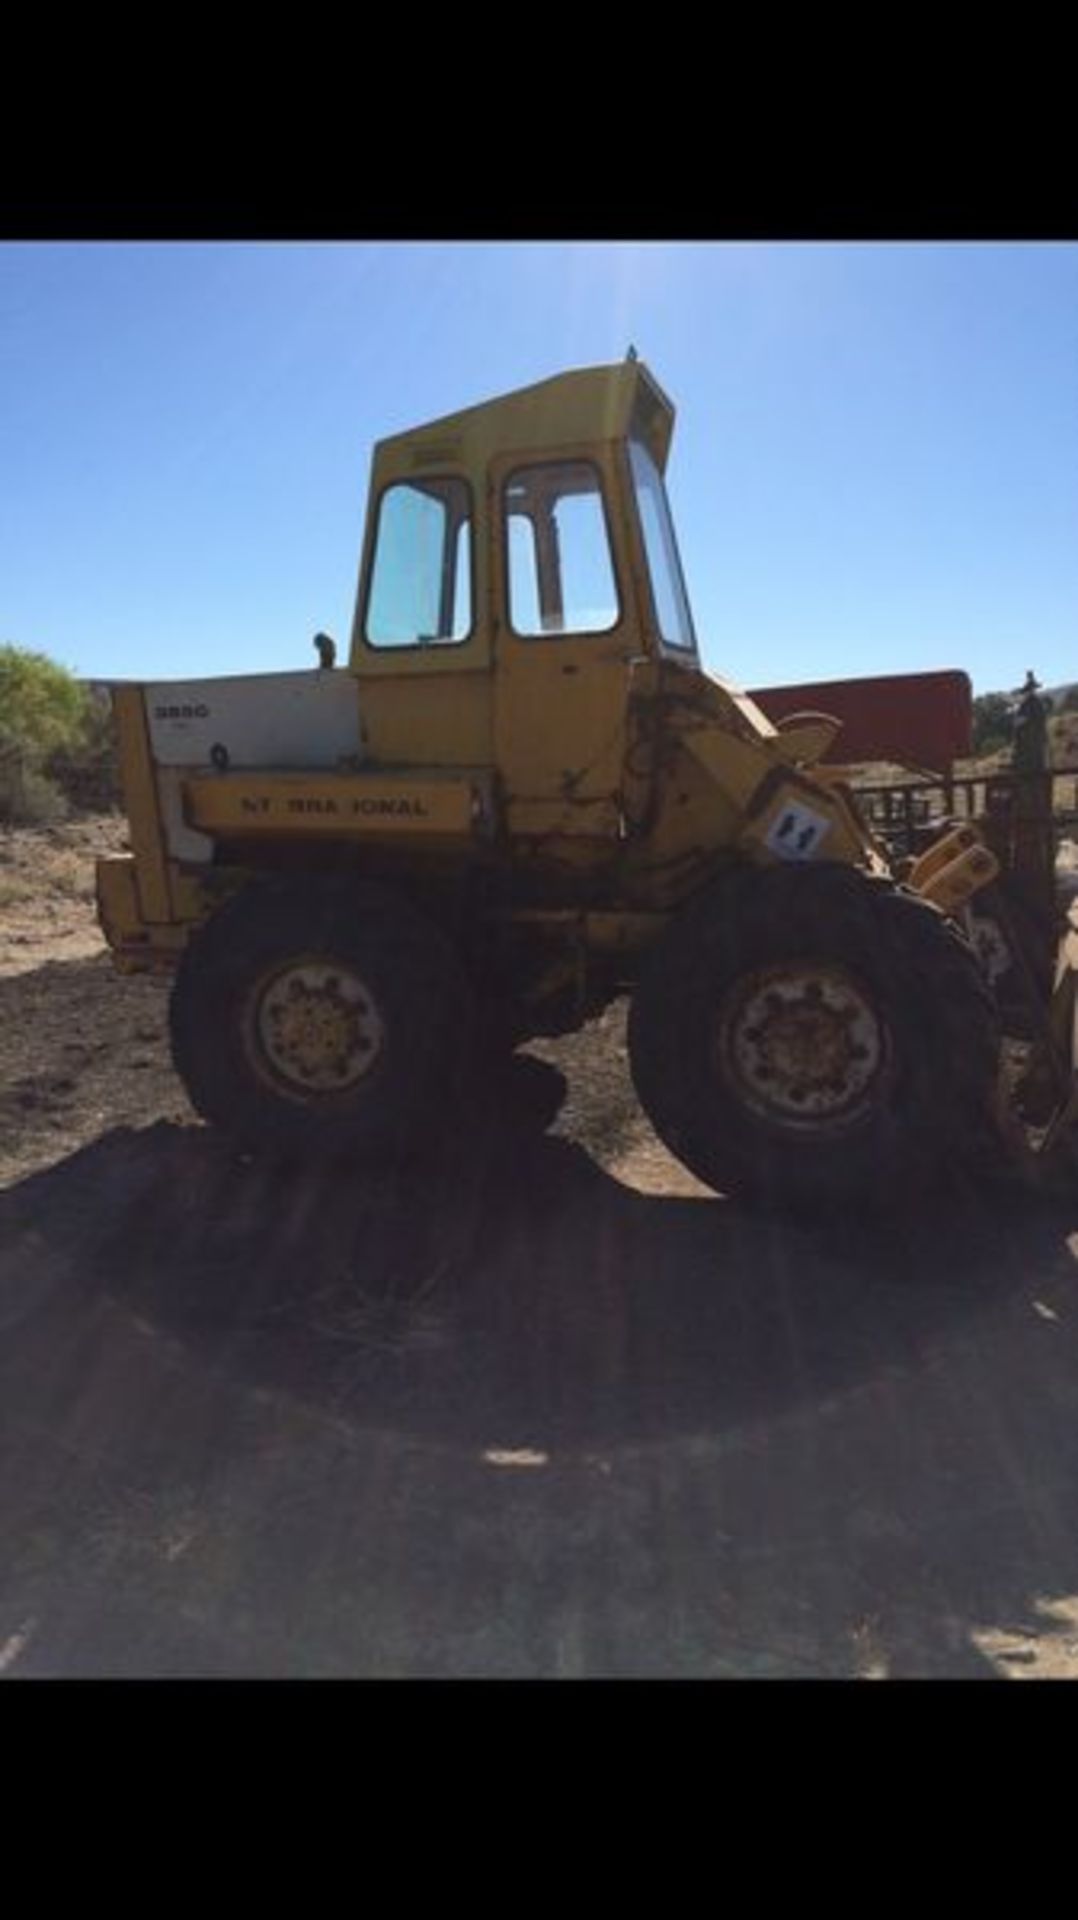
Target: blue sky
874 468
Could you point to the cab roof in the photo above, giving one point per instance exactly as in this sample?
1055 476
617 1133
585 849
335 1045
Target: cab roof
586 405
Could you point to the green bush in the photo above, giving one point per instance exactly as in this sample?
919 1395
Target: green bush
85 769
41 703
56 748
42 801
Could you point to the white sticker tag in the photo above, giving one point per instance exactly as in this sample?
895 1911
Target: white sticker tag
796 831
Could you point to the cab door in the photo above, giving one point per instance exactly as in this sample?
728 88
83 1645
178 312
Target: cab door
566 629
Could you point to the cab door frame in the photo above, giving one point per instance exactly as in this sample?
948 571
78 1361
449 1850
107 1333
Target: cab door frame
561 698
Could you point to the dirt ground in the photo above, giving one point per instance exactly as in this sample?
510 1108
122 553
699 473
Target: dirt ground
559 1413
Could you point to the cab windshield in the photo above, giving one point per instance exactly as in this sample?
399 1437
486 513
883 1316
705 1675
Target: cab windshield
660 547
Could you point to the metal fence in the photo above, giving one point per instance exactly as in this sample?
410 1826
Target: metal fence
900 811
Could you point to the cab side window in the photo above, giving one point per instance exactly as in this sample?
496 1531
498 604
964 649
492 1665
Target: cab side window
421 581
560 569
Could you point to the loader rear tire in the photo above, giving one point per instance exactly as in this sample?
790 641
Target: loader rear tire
810 1035
320 1018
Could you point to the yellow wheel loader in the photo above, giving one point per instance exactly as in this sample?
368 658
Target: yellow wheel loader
523 797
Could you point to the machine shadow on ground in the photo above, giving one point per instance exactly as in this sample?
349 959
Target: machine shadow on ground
520 1292
760 1442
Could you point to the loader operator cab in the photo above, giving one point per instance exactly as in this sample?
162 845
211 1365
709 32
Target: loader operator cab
555 518
520 565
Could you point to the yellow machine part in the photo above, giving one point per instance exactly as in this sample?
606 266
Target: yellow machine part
415 712
953 870
139 784
780 814
139 946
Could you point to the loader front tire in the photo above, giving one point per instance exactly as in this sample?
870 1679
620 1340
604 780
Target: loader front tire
809 1035
322 1017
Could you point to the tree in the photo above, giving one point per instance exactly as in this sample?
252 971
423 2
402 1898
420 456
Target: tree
41 703
993 722
55 743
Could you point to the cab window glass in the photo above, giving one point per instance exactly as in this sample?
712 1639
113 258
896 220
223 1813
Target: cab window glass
421 588
660 546
561 573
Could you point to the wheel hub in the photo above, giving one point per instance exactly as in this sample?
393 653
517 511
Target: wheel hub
804 1045
317 1027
